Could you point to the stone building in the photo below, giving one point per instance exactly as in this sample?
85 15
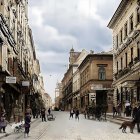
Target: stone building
95 79
125 25
17 55
70 80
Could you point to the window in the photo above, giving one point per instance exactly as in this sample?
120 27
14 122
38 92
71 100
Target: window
131 54
138 15
117 66
131 23
121 36
117 41
101 73
125 30
126 60
121 63
138 50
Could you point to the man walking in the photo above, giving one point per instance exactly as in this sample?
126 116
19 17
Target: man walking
77 114
137 118
43 114
71 113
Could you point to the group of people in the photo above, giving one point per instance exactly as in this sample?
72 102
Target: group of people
18 117
74 111
128 111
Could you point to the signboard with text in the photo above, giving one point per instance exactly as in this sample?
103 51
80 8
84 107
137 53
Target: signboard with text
25 83
10 79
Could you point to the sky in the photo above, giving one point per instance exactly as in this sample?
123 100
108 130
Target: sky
57 25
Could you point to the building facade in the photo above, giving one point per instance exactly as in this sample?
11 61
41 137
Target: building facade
17 56
125 25
96 72
87 80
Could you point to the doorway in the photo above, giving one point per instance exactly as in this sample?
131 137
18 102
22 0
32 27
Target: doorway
101 97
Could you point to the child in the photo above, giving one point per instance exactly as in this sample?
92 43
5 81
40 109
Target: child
3 124
27 124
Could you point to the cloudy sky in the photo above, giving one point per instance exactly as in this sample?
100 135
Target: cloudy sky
58 25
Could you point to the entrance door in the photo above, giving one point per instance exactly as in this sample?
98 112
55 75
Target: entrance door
101 97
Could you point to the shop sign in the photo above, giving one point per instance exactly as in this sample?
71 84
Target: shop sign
96 87
10 79
25 83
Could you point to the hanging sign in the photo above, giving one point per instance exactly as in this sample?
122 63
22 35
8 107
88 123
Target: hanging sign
10 79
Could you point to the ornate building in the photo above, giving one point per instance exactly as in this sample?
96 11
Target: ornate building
125 24
17 55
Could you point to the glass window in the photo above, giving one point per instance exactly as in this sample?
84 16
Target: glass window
101 73
131 23
125 30
138 50
117 41
121 36
138 15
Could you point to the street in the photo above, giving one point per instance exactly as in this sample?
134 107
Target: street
64 129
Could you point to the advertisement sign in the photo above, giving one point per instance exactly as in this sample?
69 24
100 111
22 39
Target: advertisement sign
10 79
25 83
96 87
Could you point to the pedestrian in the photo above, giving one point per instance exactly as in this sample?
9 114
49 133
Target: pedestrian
77 114
127 106
3 124
85 112
27 124
71 113
134 112
114 111
49 111
43 115
119 109
137 119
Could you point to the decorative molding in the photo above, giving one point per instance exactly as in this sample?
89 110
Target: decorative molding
4 28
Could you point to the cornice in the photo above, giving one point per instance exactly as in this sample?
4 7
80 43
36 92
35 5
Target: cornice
4 28
118 12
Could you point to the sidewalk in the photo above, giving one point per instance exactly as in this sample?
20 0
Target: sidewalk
9 130
118 119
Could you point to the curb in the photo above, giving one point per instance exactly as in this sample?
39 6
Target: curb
7 134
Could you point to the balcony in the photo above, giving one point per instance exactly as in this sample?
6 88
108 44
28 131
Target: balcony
121 73
136 59
130 64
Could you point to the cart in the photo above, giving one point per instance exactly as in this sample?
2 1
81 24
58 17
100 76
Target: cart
50 117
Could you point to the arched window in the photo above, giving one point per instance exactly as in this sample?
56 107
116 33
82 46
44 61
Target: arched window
101 73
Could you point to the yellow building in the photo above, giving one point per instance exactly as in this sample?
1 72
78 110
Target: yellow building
125 25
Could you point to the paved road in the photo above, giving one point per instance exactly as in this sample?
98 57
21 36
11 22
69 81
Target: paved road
64 129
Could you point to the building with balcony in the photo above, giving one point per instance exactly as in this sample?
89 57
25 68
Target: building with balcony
125 25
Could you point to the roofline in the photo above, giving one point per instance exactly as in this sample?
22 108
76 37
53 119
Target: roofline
117 13
94 55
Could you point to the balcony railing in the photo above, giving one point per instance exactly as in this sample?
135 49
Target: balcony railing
121 73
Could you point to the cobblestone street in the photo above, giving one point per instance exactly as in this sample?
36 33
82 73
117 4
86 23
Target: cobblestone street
64 129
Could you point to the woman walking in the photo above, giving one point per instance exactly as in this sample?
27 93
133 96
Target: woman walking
27 124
